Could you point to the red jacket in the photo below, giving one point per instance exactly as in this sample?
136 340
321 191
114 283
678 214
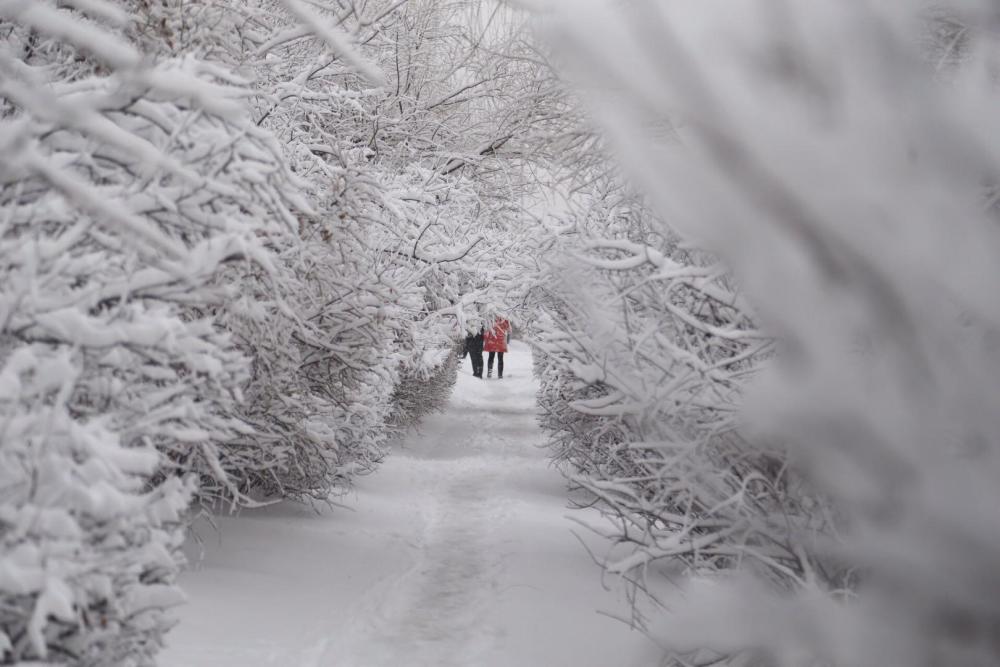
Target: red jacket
495 339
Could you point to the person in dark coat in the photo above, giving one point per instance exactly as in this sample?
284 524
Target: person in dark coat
474 348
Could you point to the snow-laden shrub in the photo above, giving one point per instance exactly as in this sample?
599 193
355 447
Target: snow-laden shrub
323 370
89 548
310 315
318 312
424 389
848 175
427 351
146 198
133 195
644 351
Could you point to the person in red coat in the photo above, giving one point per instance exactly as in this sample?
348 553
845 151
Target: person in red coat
495 342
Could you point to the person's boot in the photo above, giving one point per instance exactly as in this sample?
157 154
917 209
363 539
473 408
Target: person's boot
489 372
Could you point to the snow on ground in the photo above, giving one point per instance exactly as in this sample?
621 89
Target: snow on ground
457 552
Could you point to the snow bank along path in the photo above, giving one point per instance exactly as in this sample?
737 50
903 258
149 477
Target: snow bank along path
457 552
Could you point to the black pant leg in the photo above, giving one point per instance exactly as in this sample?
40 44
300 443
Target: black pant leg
489 361
499 363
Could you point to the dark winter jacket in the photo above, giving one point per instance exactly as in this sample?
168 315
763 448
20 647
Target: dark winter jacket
474 343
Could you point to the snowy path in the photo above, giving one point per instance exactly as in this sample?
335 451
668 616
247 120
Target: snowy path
457 553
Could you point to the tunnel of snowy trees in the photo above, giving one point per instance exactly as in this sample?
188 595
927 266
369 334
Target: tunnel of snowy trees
753 244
